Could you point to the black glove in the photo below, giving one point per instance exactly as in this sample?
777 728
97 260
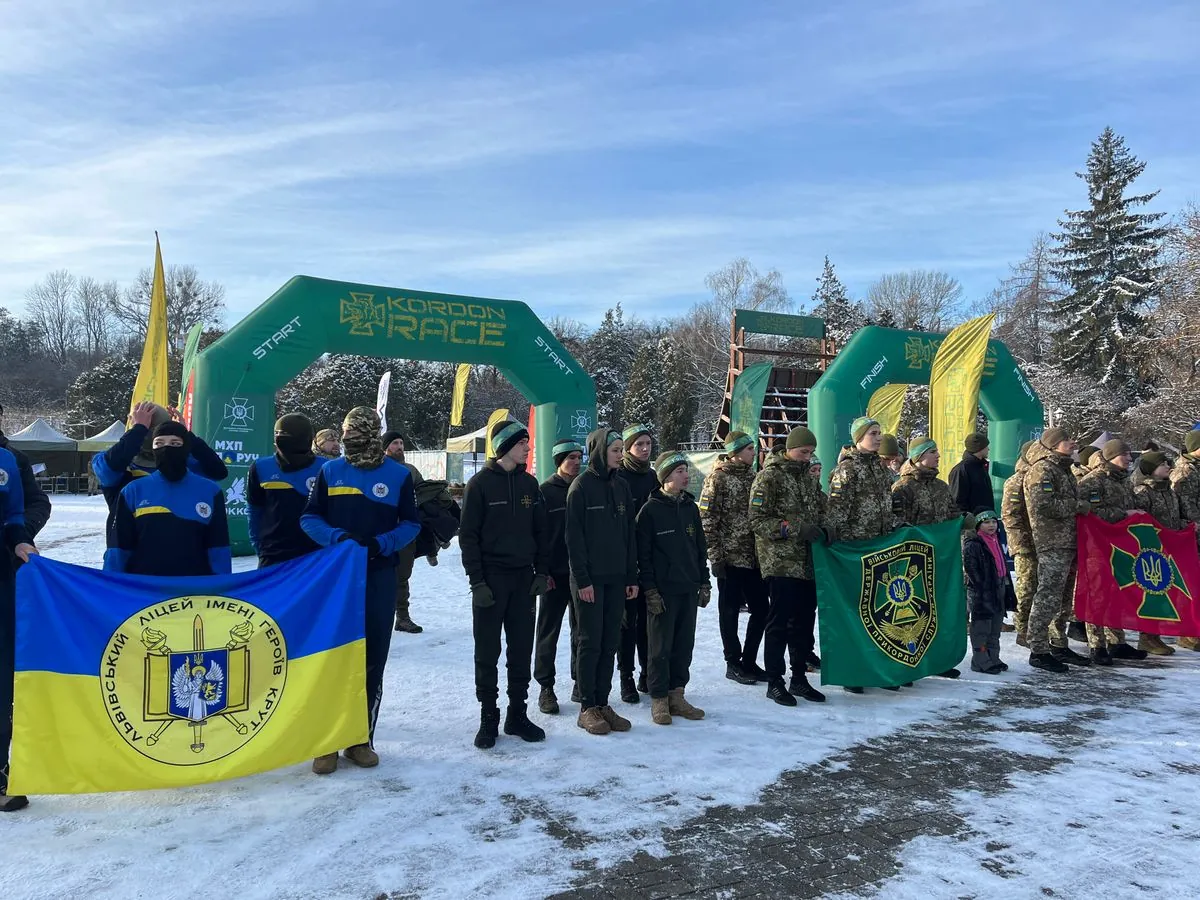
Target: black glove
1083 507
705 594
830 533
654 602
540 585
718 570
372 545
810 533
481 596
432 559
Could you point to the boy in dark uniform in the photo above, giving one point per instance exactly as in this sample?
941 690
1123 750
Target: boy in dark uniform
637 472
277 490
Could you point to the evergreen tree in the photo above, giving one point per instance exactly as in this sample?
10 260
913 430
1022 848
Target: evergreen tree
842 315
677 409
100 396
1108 255
608 358
645 385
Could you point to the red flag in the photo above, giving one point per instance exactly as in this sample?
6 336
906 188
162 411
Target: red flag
1138 575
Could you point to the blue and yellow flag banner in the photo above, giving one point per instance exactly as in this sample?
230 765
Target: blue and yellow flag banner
954 387
892 609
126 682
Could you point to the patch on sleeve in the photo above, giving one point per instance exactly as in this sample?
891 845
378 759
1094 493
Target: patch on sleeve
706 500
1048 486
756 501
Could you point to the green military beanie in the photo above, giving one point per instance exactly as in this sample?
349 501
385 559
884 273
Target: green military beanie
505 436
889 446
920 445
633 432
563 449
737 441
975 442
815 461
1151 461
668 463
1052 437
861 426
1086 454
983 516
1114 448
800 437
1025 448
1192 441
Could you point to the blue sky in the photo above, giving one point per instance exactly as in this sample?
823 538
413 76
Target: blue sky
571 154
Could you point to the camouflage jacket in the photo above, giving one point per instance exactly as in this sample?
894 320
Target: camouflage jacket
1051 499
725 513
860 498
1013 513
1157 498
921 498
784 491
1109 491
1185 482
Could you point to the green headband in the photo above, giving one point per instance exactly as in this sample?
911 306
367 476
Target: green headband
860 426
612 438
566 447
738 444
668 465
501 437
917 450
633 431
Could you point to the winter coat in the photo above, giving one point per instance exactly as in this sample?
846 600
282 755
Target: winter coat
971 485
785 492
554 492
37 504
1051 499
439 514
1013 512
1109 491
641 479
1157 498
725 512
860 498
1185 482
601 522
672 556
985 585
921 498
503 523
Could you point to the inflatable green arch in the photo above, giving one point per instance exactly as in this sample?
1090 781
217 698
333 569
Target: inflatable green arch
230 395
877 356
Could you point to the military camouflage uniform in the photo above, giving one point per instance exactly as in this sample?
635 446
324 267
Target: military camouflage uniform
921 498
784 499
860 498
1185 482
1020 544
1157 498
725 515
1052 502
1110 492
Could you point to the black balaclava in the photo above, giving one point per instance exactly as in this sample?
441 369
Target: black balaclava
172 462
293 442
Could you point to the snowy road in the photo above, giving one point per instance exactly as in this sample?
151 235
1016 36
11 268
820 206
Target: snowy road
441 819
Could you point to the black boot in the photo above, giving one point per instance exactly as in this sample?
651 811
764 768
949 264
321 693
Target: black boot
777 692
1046 662
516 723
629 691
734 673
641 683
805 691
489 728
575 698
949 673
813 662
13 802
1101 656
548 701
891 687
1067 655
1124 651
1077 632
852 690
754 670
408 626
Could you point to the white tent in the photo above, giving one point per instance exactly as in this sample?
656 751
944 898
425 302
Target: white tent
475 442
40 437
102 441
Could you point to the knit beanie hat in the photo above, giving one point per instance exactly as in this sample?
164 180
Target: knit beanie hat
1151 461
1052 437
563 449
668 463
633 432
172 428
984 515
1025 448
1114 448
861 426
296 425
889 446
388 437
815 461
1086 454
737 441
800 437
1192 441
919 446
505 436
975 442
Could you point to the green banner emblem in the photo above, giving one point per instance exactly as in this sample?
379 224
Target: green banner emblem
896 604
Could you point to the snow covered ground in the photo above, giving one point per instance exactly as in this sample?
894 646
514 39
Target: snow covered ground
439 818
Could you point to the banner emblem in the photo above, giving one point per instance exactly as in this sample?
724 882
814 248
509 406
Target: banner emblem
1153 572
895 605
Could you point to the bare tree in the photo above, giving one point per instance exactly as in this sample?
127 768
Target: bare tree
190 299
1023 301
92 307
919 300
51 305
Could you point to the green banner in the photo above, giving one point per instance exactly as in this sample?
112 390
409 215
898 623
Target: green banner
892 609
780 324
749 391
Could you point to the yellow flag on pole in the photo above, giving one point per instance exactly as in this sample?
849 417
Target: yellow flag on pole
499 415
954 385
459 401
887 405
151 384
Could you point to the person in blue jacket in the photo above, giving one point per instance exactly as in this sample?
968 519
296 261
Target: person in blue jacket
17 540
172 521
277 489
369 499
133 456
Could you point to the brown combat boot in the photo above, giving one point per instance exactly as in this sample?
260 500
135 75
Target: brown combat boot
660 710
592 722
1188 643
680 707
1022 639
615 722
362 756
1152 643
325 765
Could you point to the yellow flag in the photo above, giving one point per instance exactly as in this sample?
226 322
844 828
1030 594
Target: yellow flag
498 416
887 405
151 384
461 377
954 386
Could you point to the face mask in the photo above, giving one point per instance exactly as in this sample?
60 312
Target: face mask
291 445
171 461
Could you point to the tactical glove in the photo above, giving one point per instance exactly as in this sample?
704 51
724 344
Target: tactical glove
718 570
540 585
654 602
705 594
481 596
811 533
830 534
1083 507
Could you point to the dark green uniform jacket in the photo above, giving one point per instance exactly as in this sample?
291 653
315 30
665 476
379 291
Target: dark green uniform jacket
503 523
600 522
672 555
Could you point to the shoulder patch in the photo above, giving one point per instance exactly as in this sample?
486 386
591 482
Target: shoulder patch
1048 486
757 498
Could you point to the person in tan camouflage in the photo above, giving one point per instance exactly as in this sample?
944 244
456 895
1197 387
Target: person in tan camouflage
1185 479
1052 502
1085 459
725 514
1152 493
890 455
1108 489
1020 543
787 511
